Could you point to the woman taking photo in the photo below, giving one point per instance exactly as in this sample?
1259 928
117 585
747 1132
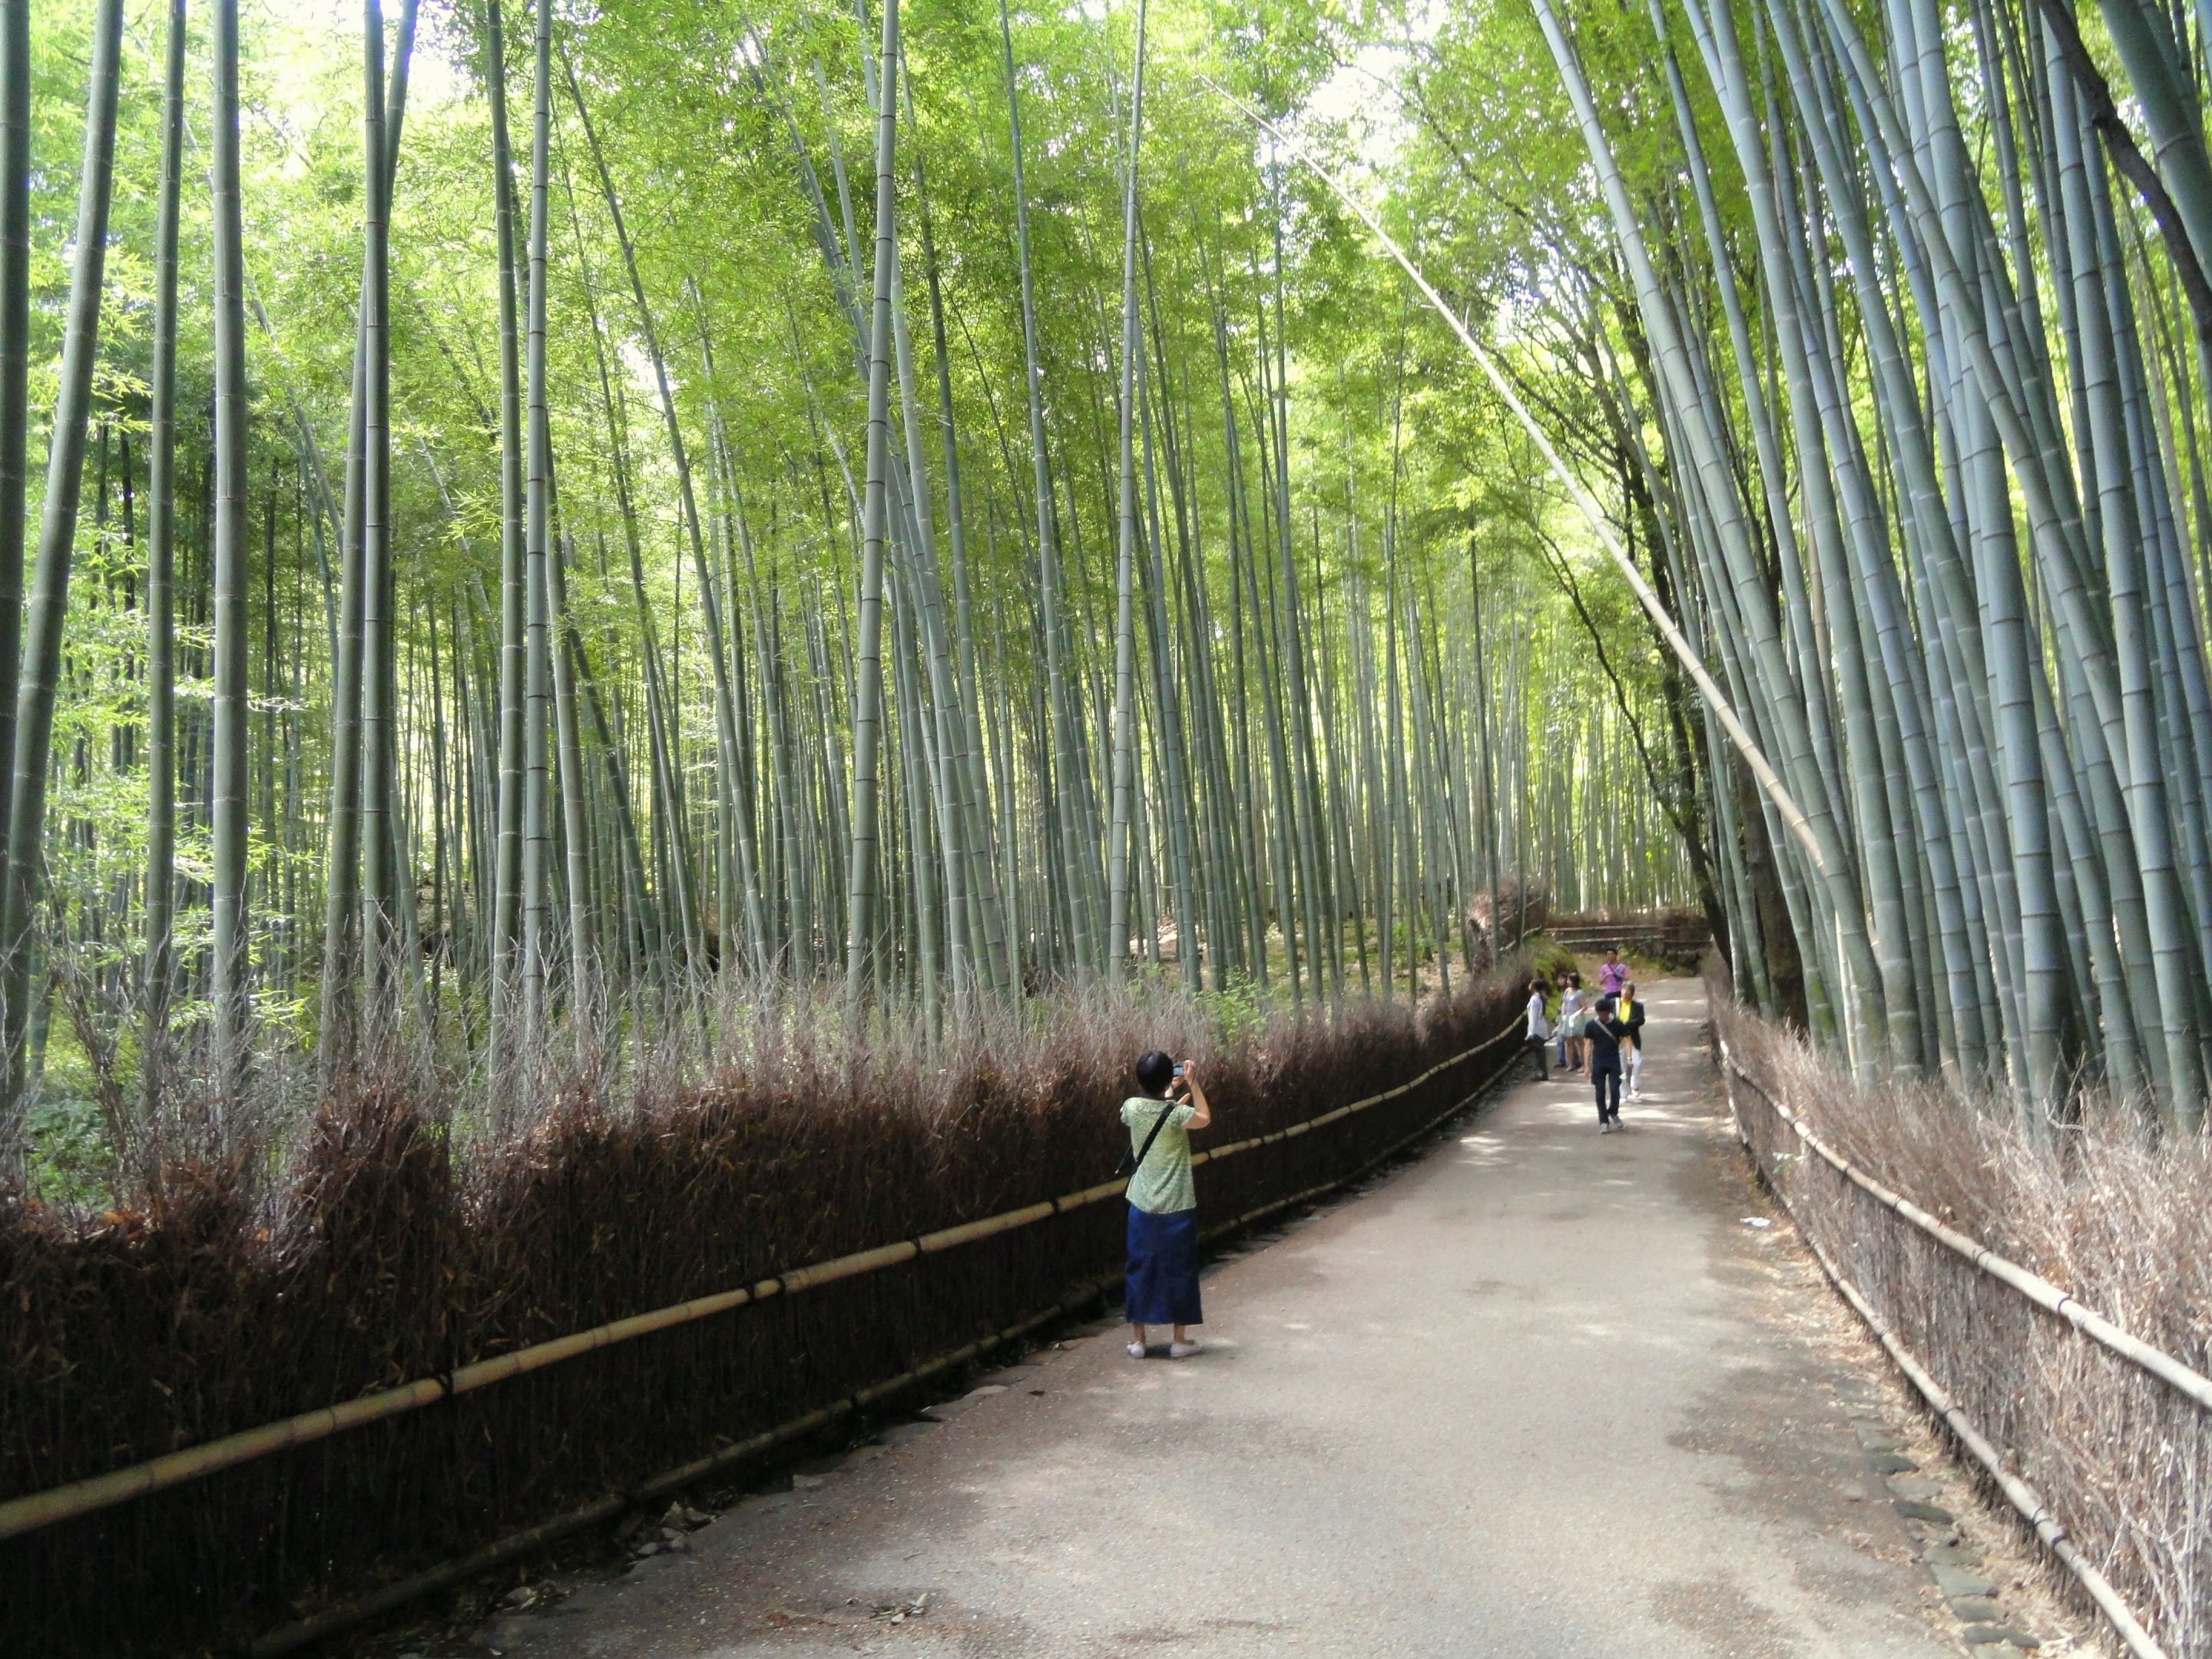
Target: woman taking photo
1160 1283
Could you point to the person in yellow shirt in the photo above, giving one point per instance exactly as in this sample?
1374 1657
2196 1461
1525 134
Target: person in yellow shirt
1630 1016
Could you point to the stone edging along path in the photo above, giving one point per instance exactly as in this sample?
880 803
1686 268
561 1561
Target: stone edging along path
1951 1557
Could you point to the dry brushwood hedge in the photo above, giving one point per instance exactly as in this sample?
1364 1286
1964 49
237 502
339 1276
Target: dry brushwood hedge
384 1258
2119 1219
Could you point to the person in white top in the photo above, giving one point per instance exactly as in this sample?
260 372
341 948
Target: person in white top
1540 1030
1570 1025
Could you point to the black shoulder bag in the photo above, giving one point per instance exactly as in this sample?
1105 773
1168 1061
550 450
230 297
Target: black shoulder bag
1129 1165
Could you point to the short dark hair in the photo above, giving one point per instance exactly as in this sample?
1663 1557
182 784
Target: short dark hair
1154 1070
1605 1005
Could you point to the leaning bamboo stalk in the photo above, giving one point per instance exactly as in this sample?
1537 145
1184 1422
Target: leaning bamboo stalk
1764 632
2117 690
86 1497
1792 815
1867 794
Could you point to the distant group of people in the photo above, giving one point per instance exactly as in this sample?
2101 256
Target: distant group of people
1602 1039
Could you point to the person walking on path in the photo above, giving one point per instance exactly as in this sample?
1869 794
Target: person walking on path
1571 1019
1160 1282
1540 1030
1601 1036
1612 973
1630 1016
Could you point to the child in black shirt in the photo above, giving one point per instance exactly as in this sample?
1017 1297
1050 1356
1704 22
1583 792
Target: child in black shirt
1602 1033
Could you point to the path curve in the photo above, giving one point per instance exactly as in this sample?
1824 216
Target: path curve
1537 1396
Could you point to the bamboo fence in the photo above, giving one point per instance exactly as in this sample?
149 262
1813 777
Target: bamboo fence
2048 1395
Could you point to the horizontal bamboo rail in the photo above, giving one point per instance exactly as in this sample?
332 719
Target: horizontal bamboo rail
2023 1497
1671 939
2160 1363
291 1638
44 1509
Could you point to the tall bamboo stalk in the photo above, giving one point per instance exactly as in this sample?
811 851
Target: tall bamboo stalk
1124 632
506 869
862 873
161 576
45 616
229 988
14 367
538 553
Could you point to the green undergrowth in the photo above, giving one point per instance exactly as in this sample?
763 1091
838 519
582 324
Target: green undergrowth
1548 958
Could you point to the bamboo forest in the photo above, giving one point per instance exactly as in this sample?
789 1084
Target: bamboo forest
548 514
643 643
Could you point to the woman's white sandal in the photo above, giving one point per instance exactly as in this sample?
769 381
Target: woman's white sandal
1136 1351
1182 1350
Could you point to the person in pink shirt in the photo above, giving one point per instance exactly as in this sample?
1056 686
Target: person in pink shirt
1612 974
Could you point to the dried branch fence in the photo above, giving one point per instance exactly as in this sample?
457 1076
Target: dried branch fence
204 1429
2102 1441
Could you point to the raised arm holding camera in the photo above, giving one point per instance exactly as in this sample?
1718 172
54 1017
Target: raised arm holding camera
1160 1283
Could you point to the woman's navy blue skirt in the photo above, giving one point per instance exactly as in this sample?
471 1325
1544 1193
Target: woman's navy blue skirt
1160 1285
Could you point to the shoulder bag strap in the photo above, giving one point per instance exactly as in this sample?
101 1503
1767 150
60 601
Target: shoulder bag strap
1159 1124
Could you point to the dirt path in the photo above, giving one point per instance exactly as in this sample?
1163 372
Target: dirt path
1539 1394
